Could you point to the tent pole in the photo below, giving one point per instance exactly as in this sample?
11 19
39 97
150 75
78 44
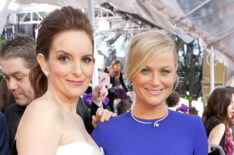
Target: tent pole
3 14
91 11
212 83
91 19
193 10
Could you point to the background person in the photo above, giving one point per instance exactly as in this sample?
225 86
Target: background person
116 79
17 57
217 118
192 110
173 100
151 128
124 106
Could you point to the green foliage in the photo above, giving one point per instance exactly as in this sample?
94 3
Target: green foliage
189 98
189 68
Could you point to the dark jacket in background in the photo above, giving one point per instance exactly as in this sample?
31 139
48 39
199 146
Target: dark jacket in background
4 136
85 114
13 113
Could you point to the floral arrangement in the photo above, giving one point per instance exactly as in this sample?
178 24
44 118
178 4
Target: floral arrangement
183 108
120 93
87 98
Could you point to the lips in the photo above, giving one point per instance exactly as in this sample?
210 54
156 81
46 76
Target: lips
16 95
154 92
76 83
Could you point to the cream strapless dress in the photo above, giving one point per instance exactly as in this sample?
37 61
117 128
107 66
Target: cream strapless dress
78 148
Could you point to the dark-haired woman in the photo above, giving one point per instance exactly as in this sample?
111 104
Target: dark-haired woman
50 124
217 118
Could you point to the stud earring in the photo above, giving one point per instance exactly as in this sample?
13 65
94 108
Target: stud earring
46 73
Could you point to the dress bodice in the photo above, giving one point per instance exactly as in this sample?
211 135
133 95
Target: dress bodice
78 148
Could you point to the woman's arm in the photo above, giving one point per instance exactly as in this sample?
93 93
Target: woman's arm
216 134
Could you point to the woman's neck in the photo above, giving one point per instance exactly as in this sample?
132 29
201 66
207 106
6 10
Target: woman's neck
68 103
144 111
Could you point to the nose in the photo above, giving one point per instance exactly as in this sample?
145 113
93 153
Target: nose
155 80
77 69
11 85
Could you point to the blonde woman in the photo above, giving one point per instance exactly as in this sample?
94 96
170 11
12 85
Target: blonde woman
151 128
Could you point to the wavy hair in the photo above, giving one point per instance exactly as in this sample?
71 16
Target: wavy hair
217 105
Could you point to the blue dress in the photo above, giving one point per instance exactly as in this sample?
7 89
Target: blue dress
177 134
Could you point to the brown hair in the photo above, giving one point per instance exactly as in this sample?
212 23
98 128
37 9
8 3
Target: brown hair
60 20
216 108
4 95
20 46
111 69
173 99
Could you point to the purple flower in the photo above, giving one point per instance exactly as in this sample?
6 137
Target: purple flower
87 98
106 101
120 93
183 108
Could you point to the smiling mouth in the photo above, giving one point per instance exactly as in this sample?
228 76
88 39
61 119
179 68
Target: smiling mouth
77 83
154 92
16 95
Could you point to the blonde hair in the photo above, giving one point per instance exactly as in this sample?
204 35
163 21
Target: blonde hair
145 46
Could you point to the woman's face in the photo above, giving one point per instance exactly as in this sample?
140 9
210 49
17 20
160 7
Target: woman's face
154 82
231 108
117 67
70 63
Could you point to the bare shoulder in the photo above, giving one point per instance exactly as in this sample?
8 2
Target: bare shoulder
41 111
39 128
42 107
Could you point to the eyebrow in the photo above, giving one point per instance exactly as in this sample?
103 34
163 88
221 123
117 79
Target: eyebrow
162 67
64 52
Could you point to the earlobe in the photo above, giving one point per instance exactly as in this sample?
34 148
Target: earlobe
42 62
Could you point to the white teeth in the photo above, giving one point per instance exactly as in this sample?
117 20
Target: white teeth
154 91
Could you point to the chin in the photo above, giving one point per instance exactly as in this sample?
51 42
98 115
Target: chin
21 103
75 94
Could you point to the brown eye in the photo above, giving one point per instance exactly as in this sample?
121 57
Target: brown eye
87 60
63 58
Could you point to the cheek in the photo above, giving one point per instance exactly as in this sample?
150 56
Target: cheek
168 81
88 71
59 71
25 86
140 80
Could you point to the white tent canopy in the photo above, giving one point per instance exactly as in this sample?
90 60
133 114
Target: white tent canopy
210 20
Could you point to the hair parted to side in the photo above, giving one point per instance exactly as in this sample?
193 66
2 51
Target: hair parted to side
145 46
20 46
217 105
60 20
